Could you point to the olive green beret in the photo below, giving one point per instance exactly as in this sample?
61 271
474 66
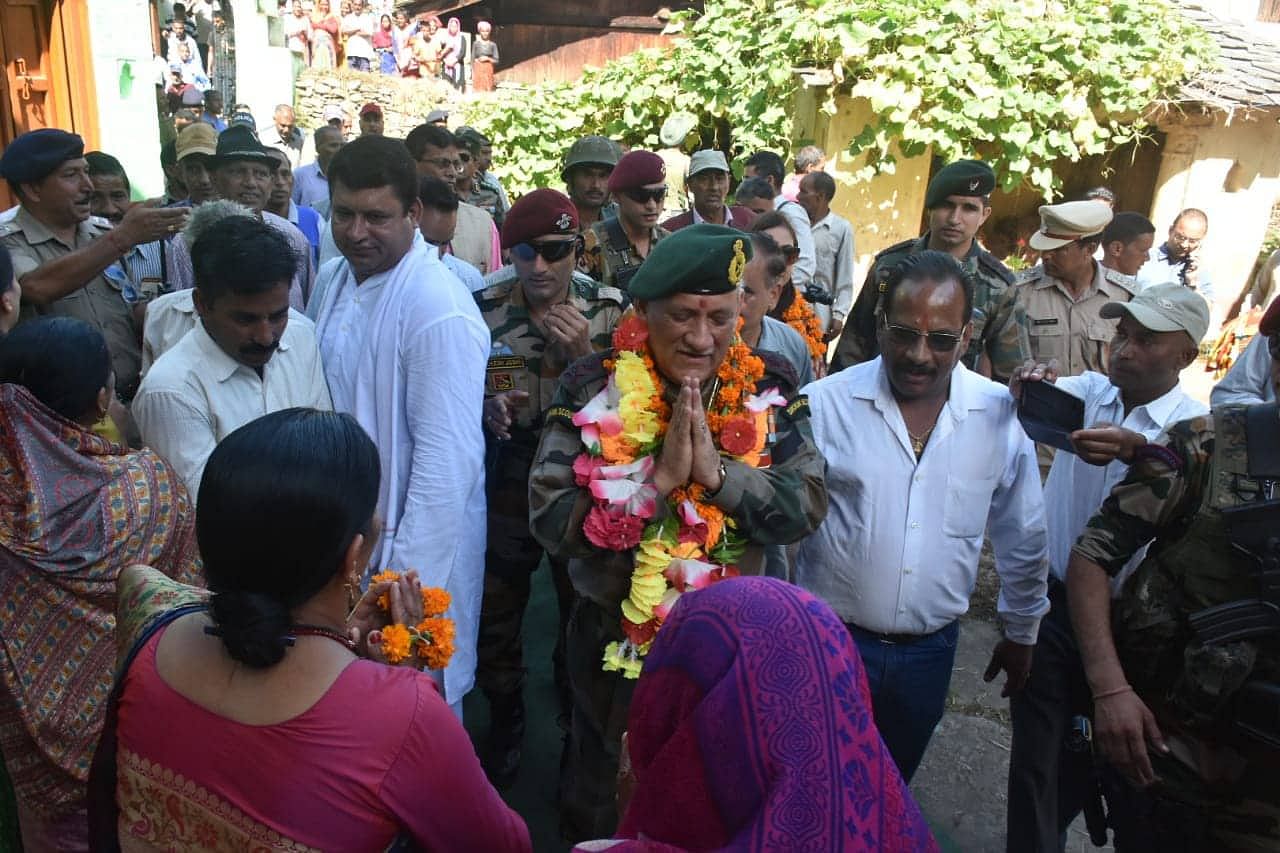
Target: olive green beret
703 259
963 177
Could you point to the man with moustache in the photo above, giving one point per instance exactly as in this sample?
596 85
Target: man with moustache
61 254
708 183
249 355
542 315
912 503
587 167
140 273
615 248
437 152
687 300
242 172
958 202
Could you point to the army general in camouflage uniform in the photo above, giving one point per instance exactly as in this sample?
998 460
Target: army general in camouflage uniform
958 202
542 316
1185 676
689 299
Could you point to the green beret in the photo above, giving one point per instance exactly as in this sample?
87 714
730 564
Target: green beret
703 259
963 177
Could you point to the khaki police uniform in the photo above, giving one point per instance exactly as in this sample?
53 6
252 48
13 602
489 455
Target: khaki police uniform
100 302
1068 328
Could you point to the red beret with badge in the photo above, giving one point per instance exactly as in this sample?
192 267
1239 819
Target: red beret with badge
637 169
538 214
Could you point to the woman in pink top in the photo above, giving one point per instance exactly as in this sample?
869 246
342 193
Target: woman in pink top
265 719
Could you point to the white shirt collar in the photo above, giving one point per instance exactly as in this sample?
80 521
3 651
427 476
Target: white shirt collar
221 365
962 397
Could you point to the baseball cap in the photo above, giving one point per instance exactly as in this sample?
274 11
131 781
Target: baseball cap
198 138
333 112
707 160
437 115
1167 307
370 109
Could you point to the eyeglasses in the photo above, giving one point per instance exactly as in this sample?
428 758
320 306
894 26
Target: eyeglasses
441 163
644 196
550 250
905 337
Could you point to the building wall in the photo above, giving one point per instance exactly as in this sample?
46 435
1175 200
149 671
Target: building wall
124 72
1229 167
264 72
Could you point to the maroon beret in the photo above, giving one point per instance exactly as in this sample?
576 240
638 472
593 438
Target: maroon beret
637 169
536 214
1270 323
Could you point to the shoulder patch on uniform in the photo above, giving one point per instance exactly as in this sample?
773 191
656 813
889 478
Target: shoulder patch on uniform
498 291
1159 453
798 408
559 414
990 263
611 294
1126 283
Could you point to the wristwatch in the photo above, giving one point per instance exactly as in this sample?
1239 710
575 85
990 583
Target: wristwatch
724 473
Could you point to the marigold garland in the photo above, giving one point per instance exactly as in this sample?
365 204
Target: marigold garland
695 543
801 317
433 636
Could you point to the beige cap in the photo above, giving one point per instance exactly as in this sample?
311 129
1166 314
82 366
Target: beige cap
706 160
198 138
1165 308
1065 223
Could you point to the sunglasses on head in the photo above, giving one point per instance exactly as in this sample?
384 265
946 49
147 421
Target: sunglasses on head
644 196
905 337
550 250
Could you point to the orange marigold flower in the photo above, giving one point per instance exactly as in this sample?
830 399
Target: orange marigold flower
435 601
714 516
616 449
436 642
388 575
395 643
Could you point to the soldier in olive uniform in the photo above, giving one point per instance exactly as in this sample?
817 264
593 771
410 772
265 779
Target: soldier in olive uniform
542 316
615 248
958 202
485 192
68 262
586 172
1064 295
1184 670
687 295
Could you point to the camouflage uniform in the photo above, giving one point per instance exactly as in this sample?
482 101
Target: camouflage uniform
487 194
604 261
521 360
779 504
1175 494
999 322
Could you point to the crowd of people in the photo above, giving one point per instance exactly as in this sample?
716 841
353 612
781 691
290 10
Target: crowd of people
365 35
225 416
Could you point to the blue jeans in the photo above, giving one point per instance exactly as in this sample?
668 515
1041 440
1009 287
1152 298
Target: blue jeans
909 682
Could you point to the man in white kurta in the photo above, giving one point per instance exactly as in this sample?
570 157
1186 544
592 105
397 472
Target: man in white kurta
404 349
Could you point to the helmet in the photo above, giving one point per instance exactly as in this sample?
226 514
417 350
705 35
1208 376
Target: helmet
595 150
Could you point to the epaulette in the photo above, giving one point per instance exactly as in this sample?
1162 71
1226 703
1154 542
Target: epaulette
990 263
905 245
495 293
1159 453
588 288
1126 282
777 371
1028 276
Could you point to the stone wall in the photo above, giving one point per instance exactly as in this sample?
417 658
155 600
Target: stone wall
405 102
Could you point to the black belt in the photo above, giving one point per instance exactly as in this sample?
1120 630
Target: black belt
890 639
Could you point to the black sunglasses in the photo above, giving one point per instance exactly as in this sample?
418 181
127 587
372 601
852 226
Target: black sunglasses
550 250
643 196
905 337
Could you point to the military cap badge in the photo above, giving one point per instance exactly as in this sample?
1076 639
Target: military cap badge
738 264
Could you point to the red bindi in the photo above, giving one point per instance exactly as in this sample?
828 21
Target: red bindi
702 303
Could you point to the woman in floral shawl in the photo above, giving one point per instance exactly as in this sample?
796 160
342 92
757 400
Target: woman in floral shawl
751 729
77 510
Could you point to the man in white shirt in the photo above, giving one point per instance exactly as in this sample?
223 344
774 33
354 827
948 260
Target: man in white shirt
245 358
1248 382
1157 337
357 29
768 166
923 458
833 253
405 351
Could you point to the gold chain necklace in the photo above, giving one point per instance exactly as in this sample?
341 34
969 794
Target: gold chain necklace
919 441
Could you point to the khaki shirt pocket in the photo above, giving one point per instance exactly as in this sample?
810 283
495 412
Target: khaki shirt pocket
1048 338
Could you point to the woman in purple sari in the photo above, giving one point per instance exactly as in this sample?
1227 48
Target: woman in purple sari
751 729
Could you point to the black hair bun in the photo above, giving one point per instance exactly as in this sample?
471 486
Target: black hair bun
254 627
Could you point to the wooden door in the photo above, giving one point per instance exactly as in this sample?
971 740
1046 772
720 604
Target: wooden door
48 79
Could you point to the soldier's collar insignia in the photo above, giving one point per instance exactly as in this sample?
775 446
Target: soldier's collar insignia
738 264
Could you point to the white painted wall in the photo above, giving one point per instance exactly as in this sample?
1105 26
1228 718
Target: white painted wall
264 74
